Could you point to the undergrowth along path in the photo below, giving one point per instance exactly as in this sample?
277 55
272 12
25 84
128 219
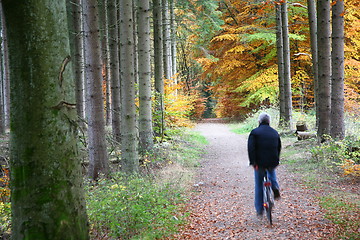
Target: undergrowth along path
222 203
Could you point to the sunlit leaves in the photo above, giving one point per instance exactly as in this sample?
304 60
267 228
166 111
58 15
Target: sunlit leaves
260 87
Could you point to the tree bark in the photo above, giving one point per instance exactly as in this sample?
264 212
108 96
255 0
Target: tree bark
314 52
280 59
5 72
159 68
98 159
337 129
324 67
47 198
144 59
173 39
76 36
129 146
114 69
166 39
287 71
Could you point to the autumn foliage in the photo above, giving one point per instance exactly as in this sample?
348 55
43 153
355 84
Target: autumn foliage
240 62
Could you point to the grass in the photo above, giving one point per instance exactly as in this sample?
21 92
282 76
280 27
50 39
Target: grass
150 206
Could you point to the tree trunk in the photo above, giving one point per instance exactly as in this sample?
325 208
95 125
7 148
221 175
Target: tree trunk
287 71
47 198
324 67
114 69
158 69
129 155
78 55
314 52
166 39
2 110
98 159
173 38
144 49
103 21
337 129
280 58
5 72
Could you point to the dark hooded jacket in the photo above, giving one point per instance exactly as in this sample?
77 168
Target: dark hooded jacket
264 146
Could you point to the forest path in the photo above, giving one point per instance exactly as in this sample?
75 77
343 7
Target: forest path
222 205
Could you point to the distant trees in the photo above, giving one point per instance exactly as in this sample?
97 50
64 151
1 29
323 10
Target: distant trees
47 198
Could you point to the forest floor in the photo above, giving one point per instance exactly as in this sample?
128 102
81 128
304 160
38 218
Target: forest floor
221 205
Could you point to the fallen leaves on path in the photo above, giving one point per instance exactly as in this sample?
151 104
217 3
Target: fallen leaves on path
222 206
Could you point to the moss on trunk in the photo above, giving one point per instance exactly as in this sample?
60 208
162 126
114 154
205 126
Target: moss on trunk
46 182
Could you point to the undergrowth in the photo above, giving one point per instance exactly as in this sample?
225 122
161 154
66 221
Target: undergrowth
147 206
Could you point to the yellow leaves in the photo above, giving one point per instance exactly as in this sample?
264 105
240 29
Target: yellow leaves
226 37
237 49
350 168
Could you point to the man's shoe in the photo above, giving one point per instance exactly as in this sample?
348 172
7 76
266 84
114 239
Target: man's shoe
276 194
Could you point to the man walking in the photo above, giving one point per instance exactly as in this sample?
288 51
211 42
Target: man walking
264 147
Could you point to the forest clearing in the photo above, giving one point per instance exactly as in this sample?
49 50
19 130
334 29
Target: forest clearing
115 118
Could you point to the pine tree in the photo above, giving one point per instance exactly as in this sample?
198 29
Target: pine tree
47 198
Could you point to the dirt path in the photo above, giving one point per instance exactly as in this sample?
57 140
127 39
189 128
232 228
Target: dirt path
222 207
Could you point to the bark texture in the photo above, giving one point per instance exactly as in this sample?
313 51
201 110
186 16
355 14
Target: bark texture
314 51
337 129
324 67
280 59
46 182
287 70
98 159
144 59
114 69
129 146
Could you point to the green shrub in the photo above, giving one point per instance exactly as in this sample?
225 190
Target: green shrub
129 207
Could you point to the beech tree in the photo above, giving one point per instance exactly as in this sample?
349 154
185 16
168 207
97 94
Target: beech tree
144 70
324 67
129 143
47 198
337 129
98 159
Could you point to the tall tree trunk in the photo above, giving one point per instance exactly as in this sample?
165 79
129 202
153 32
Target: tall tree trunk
280 59
159 68
166 39
114 69
129 156
324 67
287 71
144 49
314 52
98 159
2 110
337 129
5 71
76 36
173 38
104 32
47 198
